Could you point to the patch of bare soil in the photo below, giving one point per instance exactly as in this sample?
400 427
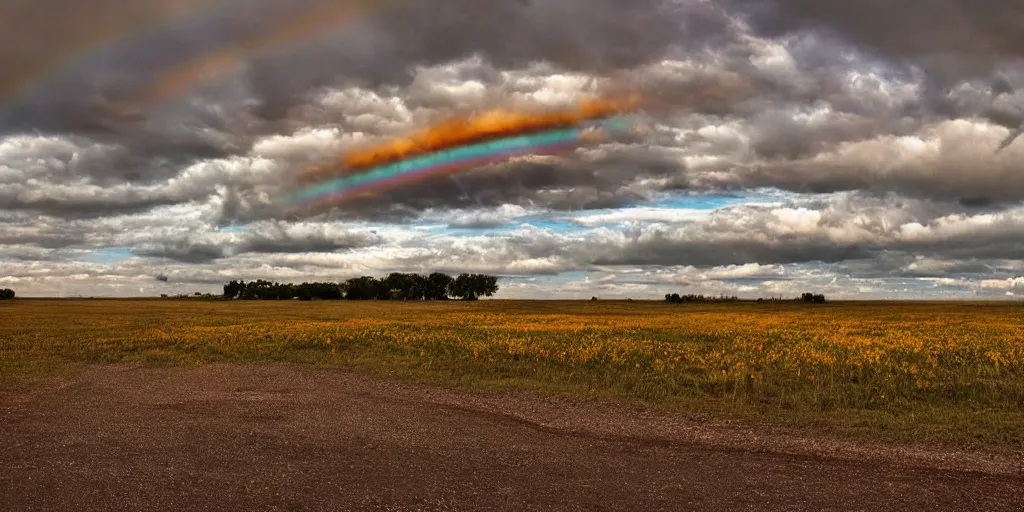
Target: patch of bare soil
264 437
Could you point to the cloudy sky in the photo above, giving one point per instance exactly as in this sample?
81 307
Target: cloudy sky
845 148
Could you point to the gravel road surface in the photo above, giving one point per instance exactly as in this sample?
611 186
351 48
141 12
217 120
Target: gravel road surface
265 437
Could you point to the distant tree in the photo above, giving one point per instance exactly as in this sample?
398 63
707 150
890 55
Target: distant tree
361 288
257 290
328 291
461 288
473 286
7 294
675 298
486 285
399 286
233 289
396 286
592 299
438 286
418 287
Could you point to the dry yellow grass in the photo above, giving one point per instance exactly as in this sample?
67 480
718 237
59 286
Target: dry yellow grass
931 372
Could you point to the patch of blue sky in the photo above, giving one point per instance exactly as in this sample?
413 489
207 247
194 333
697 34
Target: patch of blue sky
550 279
107 256
576 221
708 202
519 278
668 208
418 223
232 229
545 222
948 287
698 201
895 283
581 220
512 226
754 281
576 275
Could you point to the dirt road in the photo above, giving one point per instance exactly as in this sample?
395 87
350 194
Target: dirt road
294 438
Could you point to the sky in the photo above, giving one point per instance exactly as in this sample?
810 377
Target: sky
844 148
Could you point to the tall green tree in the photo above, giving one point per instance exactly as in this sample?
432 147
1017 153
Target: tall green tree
474 286
398 286
233 289
361 288
439 286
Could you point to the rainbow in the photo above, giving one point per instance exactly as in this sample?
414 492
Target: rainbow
19 88
180 77
451 161
310 24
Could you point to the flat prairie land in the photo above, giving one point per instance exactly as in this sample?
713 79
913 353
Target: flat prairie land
942 374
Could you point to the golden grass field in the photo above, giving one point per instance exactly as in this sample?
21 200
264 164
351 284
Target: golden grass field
937 373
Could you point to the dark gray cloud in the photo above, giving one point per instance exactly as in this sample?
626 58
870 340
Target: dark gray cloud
187 251
887 234
129 152
949 41
268 239
377 47
40 238
907 109
951 161
953 38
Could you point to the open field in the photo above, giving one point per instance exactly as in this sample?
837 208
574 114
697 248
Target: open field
933 373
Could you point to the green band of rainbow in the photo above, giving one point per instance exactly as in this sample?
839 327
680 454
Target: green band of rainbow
551 141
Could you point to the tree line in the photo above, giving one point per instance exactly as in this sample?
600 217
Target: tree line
7 294
396 286
675 298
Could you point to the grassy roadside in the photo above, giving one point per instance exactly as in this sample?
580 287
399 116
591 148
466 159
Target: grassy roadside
950 374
